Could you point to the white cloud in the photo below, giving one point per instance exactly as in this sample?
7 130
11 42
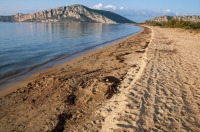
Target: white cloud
99 6
121 8
110 7
167 10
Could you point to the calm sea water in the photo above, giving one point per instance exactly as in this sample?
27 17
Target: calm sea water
25 46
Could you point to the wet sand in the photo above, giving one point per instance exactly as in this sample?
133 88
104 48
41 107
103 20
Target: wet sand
147 82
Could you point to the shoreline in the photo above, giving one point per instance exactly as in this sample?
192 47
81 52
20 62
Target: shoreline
7 86
77 88
18 79
63 59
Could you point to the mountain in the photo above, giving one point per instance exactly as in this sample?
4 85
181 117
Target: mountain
184 18
74 13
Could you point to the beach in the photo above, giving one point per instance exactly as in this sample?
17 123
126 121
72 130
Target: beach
147 82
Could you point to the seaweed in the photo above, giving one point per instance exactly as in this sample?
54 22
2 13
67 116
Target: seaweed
71 99
60 127
112 89
111 79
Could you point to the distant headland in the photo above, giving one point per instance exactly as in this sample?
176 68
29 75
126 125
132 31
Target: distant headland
70 14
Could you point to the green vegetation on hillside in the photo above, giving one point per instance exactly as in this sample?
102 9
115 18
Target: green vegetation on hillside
6 19
175 24
113 16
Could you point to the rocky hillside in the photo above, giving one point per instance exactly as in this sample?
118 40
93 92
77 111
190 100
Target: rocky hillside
184 18
74 13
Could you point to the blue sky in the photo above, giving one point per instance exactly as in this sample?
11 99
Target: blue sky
132 9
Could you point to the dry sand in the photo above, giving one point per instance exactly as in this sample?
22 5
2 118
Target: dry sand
148 82
165 93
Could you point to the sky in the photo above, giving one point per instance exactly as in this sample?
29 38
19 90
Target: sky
136 10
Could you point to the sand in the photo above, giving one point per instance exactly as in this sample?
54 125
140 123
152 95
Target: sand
165 94
147 82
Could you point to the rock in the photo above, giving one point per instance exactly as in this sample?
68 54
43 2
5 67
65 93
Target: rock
140 50
74 13
94 90
96 122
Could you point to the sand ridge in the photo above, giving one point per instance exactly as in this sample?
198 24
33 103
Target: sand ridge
119 103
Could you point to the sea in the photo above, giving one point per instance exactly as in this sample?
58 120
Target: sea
27 48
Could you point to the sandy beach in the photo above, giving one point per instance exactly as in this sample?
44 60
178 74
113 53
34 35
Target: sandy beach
147 82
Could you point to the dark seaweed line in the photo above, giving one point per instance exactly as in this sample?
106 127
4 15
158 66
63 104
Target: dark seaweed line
63 57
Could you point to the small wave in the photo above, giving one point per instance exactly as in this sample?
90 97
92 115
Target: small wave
12 74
